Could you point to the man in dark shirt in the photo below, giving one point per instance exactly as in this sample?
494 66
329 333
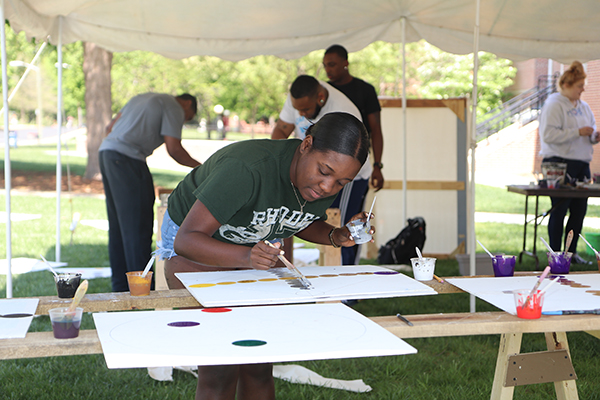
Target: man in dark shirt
364 97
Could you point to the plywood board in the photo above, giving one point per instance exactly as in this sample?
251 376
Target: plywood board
275 286
572 292
13 328
243 335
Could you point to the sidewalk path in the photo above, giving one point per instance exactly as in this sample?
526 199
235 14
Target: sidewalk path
589 222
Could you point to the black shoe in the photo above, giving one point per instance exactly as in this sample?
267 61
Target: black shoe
577 259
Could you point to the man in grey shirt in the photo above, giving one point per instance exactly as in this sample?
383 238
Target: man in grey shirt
147 121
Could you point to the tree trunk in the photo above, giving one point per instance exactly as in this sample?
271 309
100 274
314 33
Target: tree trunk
97 63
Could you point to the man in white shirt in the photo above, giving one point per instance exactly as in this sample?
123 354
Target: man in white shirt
306 103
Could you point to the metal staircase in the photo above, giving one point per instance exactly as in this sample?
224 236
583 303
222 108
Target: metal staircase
523 108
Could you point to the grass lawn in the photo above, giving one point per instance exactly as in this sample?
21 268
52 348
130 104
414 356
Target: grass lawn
444 368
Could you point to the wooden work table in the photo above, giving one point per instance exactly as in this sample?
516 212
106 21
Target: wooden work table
510 327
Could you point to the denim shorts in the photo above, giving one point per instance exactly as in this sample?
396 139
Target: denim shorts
168 231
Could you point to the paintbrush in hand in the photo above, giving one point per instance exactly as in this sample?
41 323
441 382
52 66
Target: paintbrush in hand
305 282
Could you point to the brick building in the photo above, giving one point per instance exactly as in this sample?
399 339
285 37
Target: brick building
516 151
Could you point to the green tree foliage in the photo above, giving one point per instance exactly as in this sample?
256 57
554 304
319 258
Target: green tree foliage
256 87
445 75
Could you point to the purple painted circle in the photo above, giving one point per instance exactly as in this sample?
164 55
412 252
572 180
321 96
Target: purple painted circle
183 324
386 273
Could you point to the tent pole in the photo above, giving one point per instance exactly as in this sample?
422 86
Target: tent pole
22 79
7 171
58 142
471 237
404 166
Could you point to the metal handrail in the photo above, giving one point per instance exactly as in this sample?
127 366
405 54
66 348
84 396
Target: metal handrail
523 108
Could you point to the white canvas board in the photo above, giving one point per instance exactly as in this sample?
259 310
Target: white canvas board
15 328
572 292
254 287
290 333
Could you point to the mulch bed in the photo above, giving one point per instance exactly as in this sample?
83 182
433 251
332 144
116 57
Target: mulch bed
46 182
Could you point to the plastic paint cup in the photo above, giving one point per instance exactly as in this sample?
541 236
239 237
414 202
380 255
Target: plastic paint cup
423 270
534 306
503 265
67 284
360 231
65 325
559 263
139 286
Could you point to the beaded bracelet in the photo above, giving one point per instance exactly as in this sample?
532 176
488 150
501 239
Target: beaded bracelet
331 239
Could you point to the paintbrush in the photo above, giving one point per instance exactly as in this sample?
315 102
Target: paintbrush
570 312
305 282
568 241
52 270
550 284
537 285
78 296
591 247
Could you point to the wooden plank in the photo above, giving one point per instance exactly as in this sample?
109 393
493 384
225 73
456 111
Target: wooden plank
329 255
539 367
565 390
594 333
482 323
160 281
456 105
43 344
510 344
397 103
425 185
95 302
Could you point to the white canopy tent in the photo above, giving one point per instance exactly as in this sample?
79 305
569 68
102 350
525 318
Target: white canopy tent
234 30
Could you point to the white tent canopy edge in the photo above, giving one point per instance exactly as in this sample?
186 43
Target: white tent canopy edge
234 30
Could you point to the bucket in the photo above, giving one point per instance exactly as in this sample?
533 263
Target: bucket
594 239
554 172
483 264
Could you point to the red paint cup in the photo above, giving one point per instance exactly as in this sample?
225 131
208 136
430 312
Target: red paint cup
533 308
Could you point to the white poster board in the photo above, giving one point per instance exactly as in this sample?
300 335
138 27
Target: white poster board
14 328
571 292
243 335
254 287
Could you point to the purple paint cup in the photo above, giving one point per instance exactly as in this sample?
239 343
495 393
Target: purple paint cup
503 265
559 263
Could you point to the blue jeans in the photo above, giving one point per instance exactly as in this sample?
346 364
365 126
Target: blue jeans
130 209
351 201
168 231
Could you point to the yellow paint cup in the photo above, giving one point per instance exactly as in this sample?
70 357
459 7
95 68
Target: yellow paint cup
139 286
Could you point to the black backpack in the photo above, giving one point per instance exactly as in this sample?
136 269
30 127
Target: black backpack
402 248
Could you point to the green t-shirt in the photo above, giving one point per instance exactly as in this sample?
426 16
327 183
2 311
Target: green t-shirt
246 186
